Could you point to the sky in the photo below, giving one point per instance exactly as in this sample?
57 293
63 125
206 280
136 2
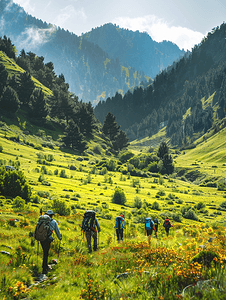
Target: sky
184 22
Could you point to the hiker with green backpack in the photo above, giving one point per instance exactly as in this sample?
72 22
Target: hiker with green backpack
43 233
90 226
120 225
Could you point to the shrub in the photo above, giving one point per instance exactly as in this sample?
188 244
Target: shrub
205 257
97 149
72 168
19 203
223 204
221 186
177 217
161 193
200 205
13 183
1 148
63 174
137 202
119 196
126 156
155 205
60 207
190 214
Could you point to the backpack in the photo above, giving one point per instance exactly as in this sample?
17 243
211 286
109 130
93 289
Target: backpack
119 222
89 220
156 222
42 230
149 224
167 224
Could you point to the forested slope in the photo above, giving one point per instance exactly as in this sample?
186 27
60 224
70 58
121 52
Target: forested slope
184 87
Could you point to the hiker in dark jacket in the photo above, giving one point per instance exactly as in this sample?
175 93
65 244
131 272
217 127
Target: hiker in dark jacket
120 225
46 244
91 233
167 225
156 222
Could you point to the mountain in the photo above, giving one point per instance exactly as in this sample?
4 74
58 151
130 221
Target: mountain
187 98
135 49
91 72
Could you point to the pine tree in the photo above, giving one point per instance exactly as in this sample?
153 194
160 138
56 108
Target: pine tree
73 138
110 127
9 100
26 88
3 78
121 141
163 149
38 104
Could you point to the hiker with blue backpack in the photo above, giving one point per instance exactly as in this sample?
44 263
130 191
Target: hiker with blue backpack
120 225
43 233
149 227
90 226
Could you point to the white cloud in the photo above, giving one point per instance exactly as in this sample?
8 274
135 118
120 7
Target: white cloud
69 13
160 30
33 37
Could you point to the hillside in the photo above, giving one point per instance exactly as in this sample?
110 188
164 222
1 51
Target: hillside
14 70
135 49
69 184
91 72
194 84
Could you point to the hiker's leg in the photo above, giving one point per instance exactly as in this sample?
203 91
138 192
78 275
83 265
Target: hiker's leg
88 237
149 236
149 239
156 228
121 234
94 240
118 237
45 247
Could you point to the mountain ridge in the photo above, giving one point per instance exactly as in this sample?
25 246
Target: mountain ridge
149 56
82 63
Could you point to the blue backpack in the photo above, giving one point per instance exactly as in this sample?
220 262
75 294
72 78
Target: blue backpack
149 224
119 222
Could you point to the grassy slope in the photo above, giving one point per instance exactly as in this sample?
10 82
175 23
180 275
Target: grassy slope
69 277
13 69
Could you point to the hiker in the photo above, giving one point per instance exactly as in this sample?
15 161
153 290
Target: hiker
149 227
156 222
167 225
46 243
90 226
120 224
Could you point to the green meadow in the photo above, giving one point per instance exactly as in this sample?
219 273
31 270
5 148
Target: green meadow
189 264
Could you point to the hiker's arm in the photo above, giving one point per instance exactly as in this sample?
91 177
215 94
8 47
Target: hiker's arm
154 228
98 226
57 230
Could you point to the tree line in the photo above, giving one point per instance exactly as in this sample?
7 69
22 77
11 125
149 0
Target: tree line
19 92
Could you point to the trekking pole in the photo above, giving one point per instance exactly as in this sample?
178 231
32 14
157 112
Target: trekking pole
59 249
37 252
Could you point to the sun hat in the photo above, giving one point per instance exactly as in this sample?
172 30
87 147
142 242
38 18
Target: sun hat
50 212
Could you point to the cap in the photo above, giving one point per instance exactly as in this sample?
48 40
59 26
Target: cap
50 212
